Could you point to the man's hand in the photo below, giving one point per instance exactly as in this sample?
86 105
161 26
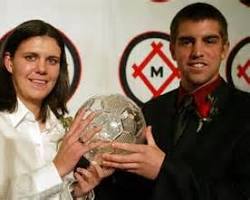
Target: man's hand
143 159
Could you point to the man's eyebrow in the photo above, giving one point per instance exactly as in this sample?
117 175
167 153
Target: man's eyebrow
192 38
212 36
185 38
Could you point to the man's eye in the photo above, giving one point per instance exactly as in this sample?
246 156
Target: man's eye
211 40
185 42
30 58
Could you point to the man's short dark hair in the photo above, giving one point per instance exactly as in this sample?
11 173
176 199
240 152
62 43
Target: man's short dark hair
198 12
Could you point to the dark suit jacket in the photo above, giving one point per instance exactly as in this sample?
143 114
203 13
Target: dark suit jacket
213 165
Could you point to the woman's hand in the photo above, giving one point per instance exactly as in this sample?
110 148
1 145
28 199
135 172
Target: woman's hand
142 159
87 179
74 143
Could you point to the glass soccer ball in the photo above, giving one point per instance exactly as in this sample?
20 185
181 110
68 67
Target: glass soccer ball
120 118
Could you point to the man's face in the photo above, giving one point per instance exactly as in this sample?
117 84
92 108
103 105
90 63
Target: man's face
198 51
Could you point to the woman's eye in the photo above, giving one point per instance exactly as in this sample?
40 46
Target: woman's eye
53 61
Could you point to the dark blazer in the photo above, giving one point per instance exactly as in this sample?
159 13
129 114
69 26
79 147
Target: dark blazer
212 164
215 163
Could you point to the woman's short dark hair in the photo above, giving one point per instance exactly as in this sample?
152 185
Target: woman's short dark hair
198 12
58 97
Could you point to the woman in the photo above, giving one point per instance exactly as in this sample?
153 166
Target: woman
33 93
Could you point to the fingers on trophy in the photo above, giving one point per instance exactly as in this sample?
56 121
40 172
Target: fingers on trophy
118 118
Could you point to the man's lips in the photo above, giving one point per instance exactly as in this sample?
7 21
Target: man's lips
197 65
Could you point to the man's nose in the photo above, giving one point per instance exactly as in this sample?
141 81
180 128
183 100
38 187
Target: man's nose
197 50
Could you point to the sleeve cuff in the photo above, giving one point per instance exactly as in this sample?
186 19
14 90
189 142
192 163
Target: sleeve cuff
47 177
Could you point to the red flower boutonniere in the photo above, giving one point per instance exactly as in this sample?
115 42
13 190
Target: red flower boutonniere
206 111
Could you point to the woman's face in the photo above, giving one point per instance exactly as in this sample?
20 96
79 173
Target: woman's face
35 68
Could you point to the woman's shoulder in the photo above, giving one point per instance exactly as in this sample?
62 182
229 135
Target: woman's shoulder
6 129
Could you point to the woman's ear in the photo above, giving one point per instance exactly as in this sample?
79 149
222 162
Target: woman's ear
8 62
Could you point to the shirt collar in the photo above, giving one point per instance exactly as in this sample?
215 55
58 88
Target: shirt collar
21 113
200 96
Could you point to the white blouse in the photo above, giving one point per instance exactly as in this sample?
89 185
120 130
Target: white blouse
26 154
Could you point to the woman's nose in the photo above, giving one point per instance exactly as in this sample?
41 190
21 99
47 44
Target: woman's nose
41 66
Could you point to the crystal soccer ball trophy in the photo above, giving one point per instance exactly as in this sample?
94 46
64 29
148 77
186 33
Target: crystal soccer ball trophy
120 118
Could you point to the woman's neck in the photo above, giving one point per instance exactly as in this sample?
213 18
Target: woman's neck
35 108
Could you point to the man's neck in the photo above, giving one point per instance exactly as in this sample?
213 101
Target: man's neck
193 88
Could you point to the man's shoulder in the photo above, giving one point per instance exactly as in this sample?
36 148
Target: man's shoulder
163 99
240 96
243 98
239 100
162 103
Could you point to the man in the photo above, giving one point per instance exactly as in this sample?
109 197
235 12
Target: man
201 143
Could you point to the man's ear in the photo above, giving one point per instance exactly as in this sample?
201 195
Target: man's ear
172 50
8 62
225 50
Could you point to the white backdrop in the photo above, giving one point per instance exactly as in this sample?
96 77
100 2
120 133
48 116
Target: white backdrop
101 30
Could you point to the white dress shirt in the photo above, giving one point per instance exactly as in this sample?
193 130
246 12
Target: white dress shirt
26 154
